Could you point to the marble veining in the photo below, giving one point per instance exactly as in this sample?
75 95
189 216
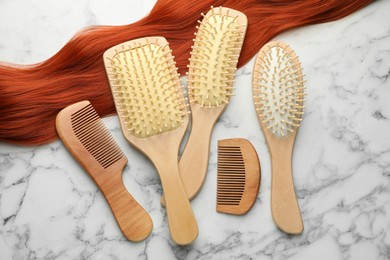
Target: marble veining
51 209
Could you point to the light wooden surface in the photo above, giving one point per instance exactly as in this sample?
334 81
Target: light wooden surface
162 149
238 176
132 219
194 160
284 204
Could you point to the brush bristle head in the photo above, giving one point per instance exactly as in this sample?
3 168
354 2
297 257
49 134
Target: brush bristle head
214 56
278 88
95 137
146 86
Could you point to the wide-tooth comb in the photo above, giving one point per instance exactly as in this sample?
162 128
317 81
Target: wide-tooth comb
212 67
238 178
88 140
154 117
278 93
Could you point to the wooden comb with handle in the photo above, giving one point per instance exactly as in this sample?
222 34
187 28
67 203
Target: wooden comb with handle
89 141
238 178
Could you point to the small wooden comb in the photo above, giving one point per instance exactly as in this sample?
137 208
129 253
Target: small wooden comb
88 140
238 176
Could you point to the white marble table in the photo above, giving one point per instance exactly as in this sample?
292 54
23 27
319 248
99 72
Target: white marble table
51 209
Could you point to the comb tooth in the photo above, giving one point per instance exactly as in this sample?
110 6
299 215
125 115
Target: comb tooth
231 156
95 137
230 172
238 179
89 135
231 175
79 122
224 185
103 148
92 138
228 195
231 163
225 182
86 126
235 168
83 112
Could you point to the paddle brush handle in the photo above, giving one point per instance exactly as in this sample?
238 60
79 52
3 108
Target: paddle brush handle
181 219
194 161
284 204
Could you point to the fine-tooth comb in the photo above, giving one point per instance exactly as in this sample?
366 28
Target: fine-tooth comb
212 67
238 178
154 117
278 93
89 141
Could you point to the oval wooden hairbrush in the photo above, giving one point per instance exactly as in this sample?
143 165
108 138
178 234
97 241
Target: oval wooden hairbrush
212 67
88 140
278 93
154 116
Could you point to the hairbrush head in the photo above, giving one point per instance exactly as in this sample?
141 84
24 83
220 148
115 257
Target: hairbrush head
278 88
214 56
146 86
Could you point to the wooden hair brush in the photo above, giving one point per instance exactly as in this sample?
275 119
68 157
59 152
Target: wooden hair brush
88 140
238 178
278 93
154 116
212 66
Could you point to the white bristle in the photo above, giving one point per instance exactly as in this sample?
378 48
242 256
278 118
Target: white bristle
278 88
